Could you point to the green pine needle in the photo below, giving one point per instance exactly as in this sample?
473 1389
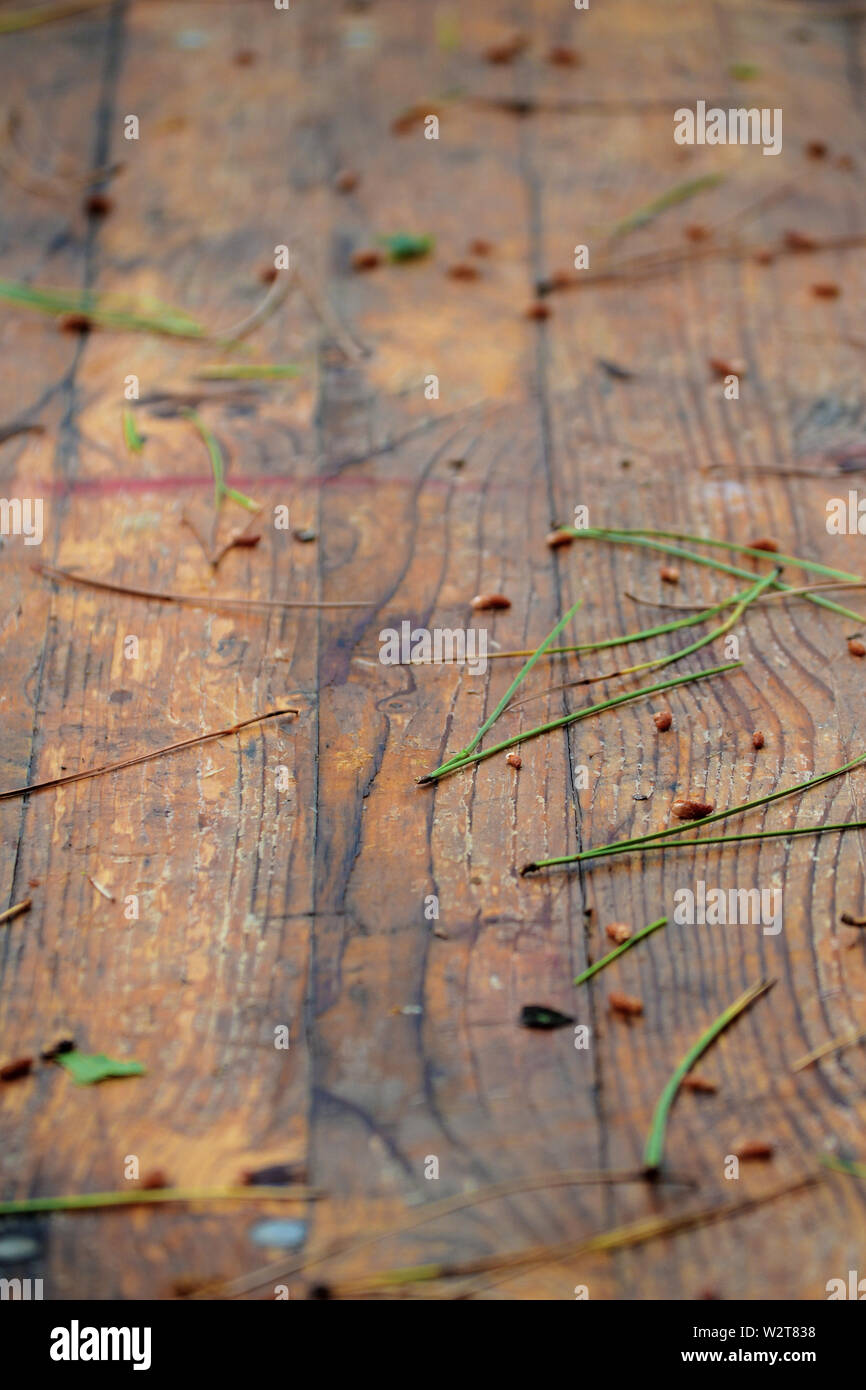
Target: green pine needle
654 1151
626 946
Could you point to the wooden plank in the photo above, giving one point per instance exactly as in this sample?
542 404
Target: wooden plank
260 907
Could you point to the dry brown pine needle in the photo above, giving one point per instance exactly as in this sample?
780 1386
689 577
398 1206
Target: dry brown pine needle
663 720
625 1004
691 810
757 739
485 601
618 932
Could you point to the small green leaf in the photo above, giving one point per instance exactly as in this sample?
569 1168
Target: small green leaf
134 441
744 72
404 246
86 1068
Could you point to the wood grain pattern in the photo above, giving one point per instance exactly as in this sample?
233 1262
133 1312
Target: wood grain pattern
306 907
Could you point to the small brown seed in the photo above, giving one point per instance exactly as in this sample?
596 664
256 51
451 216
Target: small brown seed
800 241
557 538
98 205
826 289
815 149
480 247
663 720
691 810
764 256
625 1004
856 647
723 366
757 739
74 323
754 1148
538 310
696 231
346 181
618 932
764 543
701 1084
507 50
154 1180
563 57
367 259
268 274
669 574
514 760
483 601
13 1071
244 58
461 270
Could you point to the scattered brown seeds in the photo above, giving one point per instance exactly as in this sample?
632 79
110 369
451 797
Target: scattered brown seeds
346 181
856 647
764 543
154 1180
514 760
268 274
507 50
625 1004
826 289
618 932
482 601
13 1071
800 241
757 739
563 57
754 1148
557 538
479 247
462 270
696 231
815 149
663 720
691 810
74 323
538 310
367 259
669 574
699 1083
98 205
723 366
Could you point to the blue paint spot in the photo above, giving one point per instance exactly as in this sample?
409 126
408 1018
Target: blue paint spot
287 1235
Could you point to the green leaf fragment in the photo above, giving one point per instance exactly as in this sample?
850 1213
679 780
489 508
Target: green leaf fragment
88 1068
404 246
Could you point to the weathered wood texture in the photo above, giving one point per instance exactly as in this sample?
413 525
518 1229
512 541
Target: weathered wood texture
305 907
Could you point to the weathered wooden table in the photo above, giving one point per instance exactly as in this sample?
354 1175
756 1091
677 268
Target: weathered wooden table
260 907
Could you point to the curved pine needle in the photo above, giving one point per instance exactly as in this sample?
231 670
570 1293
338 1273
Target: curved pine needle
654 1151
668 548
447 768
192 600
143 1196
15 910
84 776
620 950
651 839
